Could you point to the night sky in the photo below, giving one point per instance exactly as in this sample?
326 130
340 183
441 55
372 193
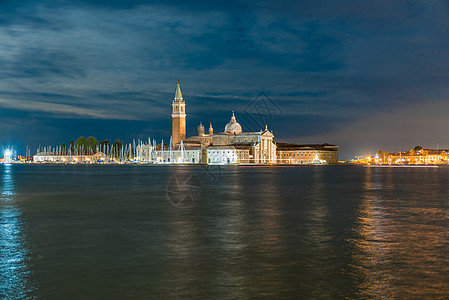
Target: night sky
365 75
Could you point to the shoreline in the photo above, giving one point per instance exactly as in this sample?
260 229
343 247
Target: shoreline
168 164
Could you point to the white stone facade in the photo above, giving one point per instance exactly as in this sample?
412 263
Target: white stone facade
43 157
222 155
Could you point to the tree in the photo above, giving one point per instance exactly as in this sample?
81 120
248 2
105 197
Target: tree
92 144
417 149
71 146
63 148
81 144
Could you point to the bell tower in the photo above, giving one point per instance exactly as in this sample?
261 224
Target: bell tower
178 117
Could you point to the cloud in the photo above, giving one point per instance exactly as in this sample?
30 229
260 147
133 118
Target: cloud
61 110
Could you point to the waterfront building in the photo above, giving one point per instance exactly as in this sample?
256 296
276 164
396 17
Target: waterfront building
243 154
53 157
231 146
421 157
221 155
163 153
248 147
260 144
178 117
307 154
251 147
190 155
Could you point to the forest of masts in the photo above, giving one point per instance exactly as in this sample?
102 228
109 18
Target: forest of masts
118 152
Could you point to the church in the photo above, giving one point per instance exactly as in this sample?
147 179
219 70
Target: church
232 145
235 146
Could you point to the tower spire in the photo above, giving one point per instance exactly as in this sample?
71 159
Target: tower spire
178 94
178 117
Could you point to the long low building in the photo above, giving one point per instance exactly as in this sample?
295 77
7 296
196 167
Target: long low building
242 154
197 154
51 157
420 157
191 155
306 154
221 155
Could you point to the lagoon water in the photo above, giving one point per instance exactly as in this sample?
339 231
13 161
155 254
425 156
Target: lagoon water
115 232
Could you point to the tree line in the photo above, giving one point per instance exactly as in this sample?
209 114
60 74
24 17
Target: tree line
92 145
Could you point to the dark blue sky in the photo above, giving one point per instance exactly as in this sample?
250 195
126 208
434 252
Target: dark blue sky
361 74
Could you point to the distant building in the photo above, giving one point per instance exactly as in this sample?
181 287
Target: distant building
233 145
243 154
307 154
51 157
191 155
250 147
221 155
421 157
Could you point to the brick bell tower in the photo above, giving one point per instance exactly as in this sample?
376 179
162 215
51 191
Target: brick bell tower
178 117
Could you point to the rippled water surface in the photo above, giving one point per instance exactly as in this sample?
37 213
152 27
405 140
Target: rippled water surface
223 232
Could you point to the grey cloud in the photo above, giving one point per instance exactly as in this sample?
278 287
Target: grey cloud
63 110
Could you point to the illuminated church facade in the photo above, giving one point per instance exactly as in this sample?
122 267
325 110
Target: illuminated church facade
231 146
235 146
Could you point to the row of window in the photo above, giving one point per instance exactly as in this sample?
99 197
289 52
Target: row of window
218 151
228 160
302 154
297 154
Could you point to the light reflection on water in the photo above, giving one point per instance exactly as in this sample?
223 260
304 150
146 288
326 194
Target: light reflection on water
230 230
14 273
270 243
319 239
401 244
